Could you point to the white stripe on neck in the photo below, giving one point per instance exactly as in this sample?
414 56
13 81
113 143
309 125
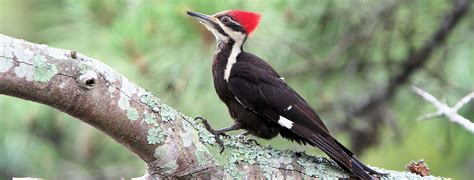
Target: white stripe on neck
236 50
239 39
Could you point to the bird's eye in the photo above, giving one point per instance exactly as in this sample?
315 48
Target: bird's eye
225 20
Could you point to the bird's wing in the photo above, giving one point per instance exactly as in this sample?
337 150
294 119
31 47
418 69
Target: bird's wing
267 94
260 89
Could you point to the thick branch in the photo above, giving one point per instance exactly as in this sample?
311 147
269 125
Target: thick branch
171 144
444 109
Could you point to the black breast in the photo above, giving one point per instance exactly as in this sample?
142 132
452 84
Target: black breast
218 66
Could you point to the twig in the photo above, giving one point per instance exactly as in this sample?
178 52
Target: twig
444 109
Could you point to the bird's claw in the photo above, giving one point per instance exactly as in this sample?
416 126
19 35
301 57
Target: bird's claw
243 137
214 132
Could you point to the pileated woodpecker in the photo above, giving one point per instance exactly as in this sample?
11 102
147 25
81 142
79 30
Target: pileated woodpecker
259 100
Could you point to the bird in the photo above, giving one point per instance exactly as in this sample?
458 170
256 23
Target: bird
258 98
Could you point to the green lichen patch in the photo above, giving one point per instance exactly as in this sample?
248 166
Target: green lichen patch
202 155
311 168
150 100
43 71
156 135
204 135
149 119
132 114
167 113
242 152
320 167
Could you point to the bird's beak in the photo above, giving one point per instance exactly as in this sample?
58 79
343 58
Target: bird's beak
204 19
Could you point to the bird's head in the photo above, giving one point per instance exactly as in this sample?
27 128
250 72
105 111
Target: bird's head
229 25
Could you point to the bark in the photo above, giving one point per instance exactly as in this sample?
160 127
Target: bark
170 143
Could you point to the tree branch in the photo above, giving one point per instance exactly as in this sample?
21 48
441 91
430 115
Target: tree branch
444 109
170 143
415 60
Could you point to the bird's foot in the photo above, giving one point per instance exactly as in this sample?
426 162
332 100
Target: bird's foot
216 133
243 137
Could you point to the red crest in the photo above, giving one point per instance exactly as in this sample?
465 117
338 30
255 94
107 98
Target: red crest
249 20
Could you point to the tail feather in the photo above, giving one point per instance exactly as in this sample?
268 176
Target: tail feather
341 155
370 170
355 167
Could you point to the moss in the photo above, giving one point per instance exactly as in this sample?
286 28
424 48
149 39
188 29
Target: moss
132 114
43 71
156 135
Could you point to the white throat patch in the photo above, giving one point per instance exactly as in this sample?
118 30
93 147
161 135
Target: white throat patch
232 59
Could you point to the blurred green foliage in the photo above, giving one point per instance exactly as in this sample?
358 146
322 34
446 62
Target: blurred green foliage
334 52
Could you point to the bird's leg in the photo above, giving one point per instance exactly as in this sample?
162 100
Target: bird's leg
235 126
216 133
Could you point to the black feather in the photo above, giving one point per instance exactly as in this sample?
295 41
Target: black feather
259 88
256 98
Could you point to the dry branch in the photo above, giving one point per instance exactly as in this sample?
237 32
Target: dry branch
170 143
370 108
444 109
